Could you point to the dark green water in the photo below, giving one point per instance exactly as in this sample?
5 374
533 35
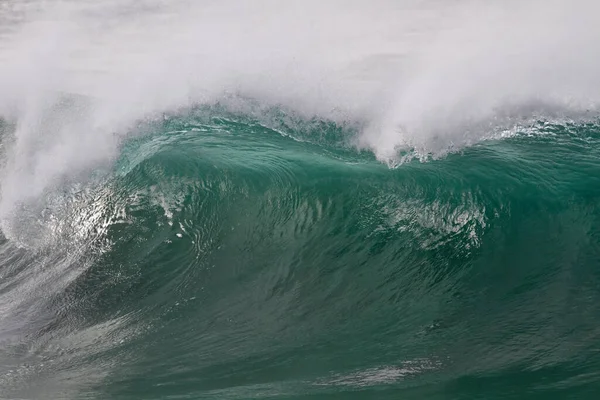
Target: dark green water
220 258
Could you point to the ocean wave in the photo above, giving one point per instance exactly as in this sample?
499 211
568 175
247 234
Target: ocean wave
218 252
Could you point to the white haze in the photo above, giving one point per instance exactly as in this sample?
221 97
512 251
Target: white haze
417 74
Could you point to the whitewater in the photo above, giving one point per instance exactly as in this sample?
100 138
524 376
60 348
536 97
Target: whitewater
299 199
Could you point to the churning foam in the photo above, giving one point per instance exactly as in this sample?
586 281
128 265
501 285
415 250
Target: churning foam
416 72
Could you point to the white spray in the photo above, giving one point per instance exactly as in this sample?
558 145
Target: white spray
414 72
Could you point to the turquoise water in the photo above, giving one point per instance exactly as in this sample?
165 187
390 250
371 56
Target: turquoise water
220 257
316 199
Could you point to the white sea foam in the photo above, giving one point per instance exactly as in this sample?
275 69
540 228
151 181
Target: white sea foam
421 74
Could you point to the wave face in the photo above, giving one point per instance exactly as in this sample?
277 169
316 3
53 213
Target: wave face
312 200
222 259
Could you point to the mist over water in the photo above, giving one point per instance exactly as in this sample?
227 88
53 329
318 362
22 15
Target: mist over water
414 73
299 199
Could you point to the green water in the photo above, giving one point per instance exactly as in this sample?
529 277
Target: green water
218 258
